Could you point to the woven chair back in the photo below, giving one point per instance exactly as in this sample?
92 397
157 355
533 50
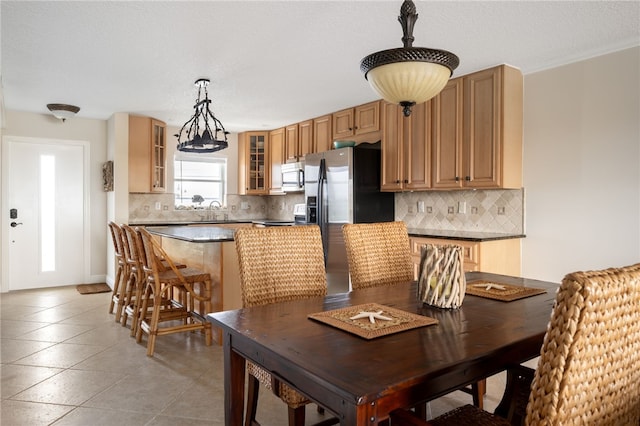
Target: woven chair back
589 367
378 253
280 263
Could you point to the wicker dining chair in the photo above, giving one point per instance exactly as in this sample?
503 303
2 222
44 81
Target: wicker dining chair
182 287
589 367
278 264
378 253
122 271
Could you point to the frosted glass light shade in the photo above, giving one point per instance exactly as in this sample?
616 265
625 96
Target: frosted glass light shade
408 82
63 111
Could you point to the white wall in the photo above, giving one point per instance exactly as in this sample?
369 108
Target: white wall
581 166
94 131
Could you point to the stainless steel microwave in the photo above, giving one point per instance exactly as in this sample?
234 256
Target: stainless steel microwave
293 177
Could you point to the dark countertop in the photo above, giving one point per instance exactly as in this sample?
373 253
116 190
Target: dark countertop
213 233
461 235
194 234
200 222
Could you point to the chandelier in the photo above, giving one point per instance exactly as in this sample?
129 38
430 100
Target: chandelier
408 75
204 132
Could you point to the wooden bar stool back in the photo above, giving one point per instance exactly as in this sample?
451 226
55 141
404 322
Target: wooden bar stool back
121 275
185 288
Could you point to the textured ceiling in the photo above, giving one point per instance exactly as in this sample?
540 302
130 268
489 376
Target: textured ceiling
271 63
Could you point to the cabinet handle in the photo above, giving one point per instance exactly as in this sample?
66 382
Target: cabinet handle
467 178
398 181
406 181
457 178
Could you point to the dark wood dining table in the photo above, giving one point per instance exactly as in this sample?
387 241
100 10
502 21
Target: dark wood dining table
361 381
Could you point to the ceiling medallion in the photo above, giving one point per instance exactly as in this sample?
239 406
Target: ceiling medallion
200 136
408 75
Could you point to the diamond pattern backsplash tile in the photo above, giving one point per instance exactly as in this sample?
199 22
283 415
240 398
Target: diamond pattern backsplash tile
142 208
495 210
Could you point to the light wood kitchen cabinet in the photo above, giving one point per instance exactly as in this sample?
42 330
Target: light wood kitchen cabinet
305 138
478 131
356 121
298 141
496 256
447 136
322 133
253 166
406 148
276 158
291 150
147 155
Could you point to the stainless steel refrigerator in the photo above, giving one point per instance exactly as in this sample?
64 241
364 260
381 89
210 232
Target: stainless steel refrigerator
343 186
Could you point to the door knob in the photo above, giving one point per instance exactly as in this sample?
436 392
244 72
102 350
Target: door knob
14 224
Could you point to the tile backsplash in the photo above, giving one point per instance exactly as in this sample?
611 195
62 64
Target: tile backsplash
159 208
493 210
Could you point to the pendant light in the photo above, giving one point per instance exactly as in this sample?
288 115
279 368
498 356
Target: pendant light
204 132
408 75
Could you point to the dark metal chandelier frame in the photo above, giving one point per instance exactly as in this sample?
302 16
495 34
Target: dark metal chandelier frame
209 140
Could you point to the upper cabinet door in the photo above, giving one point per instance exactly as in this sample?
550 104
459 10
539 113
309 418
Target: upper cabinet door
493 128
343 124
305 138
253 171
417 147
367 118
447 136
392 148
159 156
291 143
276 158
147 155
322 133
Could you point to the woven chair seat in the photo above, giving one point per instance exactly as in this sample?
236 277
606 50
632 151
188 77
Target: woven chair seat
292 398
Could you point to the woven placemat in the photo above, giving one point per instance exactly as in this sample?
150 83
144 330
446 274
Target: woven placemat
500 291
363 327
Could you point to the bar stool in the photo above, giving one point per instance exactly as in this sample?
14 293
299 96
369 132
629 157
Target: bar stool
134 253
170 296
122 271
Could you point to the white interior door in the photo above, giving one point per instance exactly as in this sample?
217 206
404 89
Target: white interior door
46 202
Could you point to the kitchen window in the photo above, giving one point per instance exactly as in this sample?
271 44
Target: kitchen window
200 181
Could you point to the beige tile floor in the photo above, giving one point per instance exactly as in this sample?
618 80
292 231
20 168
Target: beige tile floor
65 361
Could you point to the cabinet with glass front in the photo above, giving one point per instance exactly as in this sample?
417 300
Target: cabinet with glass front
253 163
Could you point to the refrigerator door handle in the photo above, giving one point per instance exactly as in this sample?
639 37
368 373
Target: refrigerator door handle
321 212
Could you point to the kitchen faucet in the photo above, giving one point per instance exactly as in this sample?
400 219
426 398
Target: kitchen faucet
214 201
